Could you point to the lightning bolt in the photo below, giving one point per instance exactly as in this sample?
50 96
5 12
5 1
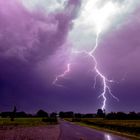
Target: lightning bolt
105 81
56 80
100 19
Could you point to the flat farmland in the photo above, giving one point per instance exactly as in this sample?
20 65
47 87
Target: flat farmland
128 127
27 129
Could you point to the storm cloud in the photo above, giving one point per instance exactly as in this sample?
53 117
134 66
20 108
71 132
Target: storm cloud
35 46
26 39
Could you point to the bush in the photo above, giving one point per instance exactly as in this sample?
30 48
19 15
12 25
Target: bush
41 113
51 120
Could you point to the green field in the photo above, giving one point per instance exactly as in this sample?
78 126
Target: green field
129 127
25 122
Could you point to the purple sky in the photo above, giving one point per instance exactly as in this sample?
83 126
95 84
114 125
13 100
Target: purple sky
35 47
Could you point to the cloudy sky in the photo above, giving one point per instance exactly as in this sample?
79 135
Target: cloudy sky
39 38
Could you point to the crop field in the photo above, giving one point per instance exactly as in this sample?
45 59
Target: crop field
130 127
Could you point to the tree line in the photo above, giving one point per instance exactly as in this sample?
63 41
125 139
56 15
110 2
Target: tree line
100 114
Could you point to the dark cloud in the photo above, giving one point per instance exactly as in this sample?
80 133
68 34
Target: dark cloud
27 39
31 44
35 35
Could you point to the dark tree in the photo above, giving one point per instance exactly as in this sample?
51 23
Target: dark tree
21 115
41 113
53 115
5 114
61 114
100 113
78 115
69 114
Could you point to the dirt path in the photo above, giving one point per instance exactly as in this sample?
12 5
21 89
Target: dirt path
30 133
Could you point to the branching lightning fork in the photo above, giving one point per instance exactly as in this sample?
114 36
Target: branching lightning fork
105 81
55 82
100 17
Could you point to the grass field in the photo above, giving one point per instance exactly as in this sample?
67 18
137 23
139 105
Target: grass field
130 127
28 129
24 122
